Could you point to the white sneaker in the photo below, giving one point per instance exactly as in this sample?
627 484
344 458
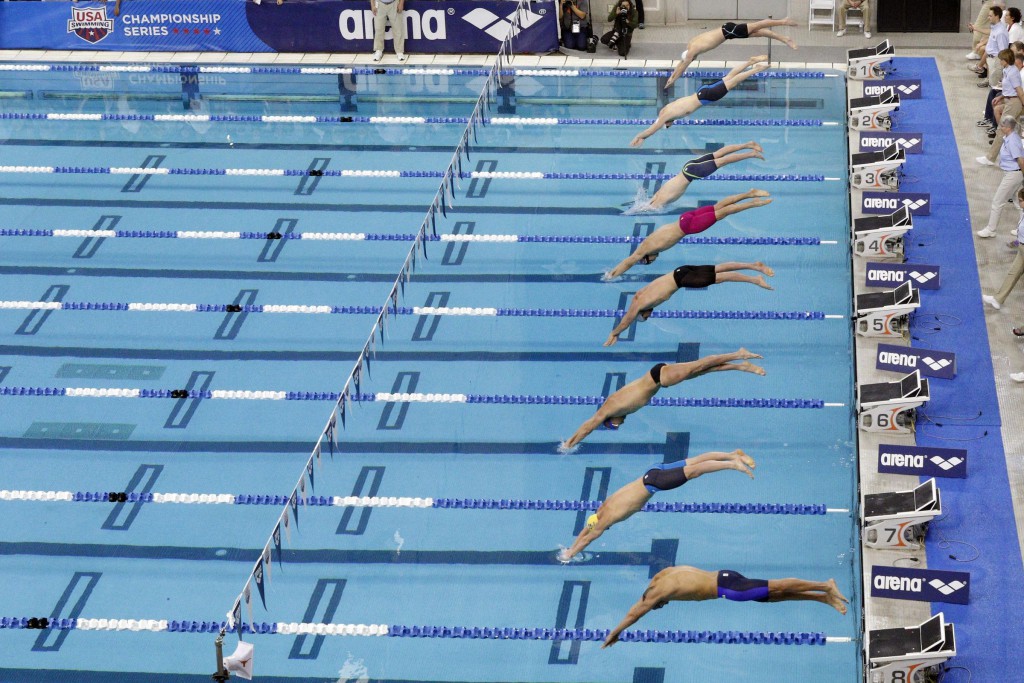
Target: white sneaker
991 301
986 232
1017 376
840 33
401 56
971 55
867 34
984 161
377 55
1014 232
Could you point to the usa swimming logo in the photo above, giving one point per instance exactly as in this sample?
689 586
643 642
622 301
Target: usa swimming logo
90 23
950 463
926 585
498 27
906 88
913 143
919 203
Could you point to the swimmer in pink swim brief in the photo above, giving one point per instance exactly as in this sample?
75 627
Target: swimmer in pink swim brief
690 223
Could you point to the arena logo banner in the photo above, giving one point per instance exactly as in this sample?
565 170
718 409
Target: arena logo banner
891 274
905 359
441 26
926 585
913 143
921 461
906 88
919 203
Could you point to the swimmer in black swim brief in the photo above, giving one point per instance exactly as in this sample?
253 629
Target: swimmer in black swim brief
632 497
691 584
685 277
709 40
639 392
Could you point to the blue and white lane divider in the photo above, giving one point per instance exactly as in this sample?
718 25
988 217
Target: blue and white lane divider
404 120
402 70
386 173
447 632
463 311
407 502
400 237
383 397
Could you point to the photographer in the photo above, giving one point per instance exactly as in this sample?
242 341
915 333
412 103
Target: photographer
575 24
624 20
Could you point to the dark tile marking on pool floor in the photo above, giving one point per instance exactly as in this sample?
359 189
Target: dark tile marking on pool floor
119 371
595 487
185 408
392 417
333 356
426 325
99 431
629 334
142 481
69 606
309 182
138 181
90 245
367 484
233 320
455 252
574 594
281 207
644 674
333 588
272 248
645 449
661 555
36 318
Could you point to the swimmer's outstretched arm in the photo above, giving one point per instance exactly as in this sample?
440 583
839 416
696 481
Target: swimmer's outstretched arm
586 537
680 68
585 429
654 128
638 610
627 319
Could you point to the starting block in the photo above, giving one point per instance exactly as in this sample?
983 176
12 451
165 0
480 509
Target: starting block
882 236
913 654
891 406
899 520
865 64
877 170
872 112
887 314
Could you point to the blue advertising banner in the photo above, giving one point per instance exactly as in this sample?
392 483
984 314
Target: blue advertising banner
439 26
922 461
904 360
873 142
892 274
926 585
906 88
919 203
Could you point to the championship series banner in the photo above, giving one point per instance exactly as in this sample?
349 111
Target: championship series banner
431 27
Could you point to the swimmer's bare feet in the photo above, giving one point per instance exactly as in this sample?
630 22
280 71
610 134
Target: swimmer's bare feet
762 66
746 459
751 368
790 42
757 148
836 603
757 58
759 193
761 267
759 281
743 463
760 202
833 589
743 353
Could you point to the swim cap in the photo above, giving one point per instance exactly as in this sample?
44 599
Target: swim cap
592 521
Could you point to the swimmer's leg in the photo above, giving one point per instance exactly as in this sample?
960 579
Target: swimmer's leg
724 272
716 461
678 372
754 26
732 205
734 78
765 33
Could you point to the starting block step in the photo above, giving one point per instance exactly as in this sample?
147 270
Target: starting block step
882 236
872 112
865 64
899 520
877 170
887 314
913 654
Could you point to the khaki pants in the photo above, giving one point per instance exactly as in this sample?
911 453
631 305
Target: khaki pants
982 20
1008 186
1012 108
1012 277
865 9
995 73
389 13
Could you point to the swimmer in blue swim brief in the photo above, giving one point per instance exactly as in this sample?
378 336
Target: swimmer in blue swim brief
685 106
639 392
632 497
691 584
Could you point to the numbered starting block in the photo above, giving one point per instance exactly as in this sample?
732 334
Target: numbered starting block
913 654
887 314
892 406
872 112
881 237
899 520
877 170
865 64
